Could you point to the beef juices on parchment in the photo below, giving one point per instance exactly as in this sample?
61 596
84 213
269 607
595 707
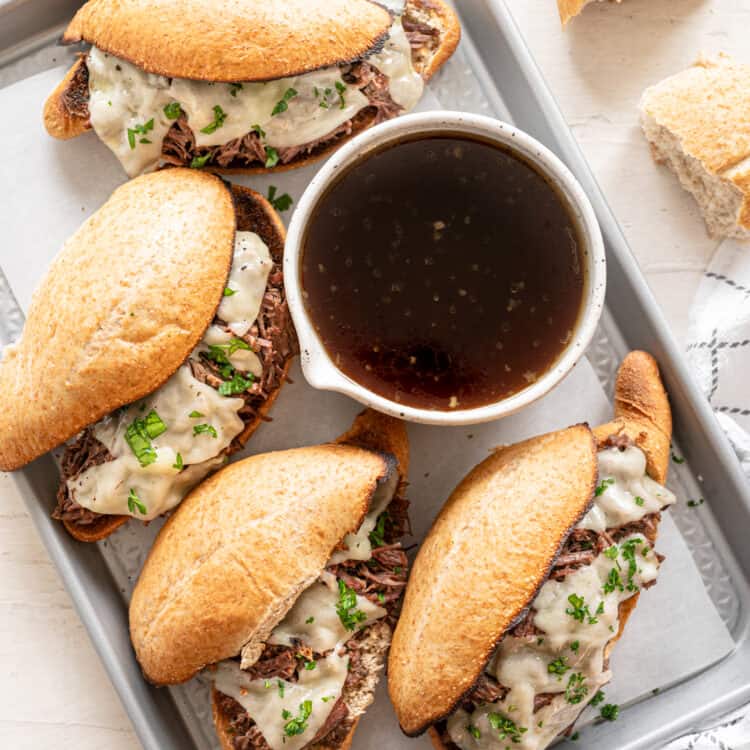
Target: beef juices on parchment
288 595
547 579
247 86
156 345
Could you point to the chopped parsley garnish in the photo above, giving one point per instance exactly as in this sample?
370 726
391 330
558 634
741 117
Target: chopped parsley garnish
281 202
639 501
209 429
196 414
628 553
598 698
575 646
229 292
199 162
558 667
220 354
234 88
576 690
173 110
309 621
613 582
677 459
280 686
602 488
506 728
259 130
327 698
219 117
381 597
599 610
341 89
609 711
178 464
574 737
141 130
377 535
298 724
473 731
579 610
283 104
310 665
346 607
266 684
140 433
695 503
135 503
238 384
612 552
272 157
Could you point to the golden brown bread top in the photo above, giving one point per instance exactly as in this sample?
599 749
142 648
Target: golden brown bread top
243 545
253 213
58 121
231 40
486 546
493 542
121 307
570 8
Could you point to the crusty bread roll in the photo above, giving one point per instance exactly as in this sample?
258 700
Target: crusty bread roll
496 540
571 8
243 41
233 559
698 124
109 322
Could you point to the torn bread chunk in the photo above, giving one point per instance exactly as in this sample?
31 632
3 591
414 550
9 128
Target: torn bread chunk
698 124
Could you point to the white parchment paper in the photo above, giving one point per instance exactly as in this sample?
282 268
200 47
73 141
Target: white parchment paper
50 187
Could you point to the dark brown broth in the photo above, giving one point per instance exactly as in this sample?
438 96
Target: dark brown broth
442 273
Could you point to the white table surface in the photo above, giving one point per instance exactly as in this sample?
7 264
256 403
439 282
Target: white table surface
53 692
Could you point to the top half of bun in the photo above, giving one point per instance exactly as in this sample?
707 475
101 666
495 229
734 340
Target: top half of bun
243 545
231 40
495 541
120 308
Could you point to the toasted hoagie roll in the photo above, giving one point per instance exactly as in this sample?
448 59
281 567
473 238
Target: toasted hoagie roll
528 575
569 9
245 86
157 342
281 577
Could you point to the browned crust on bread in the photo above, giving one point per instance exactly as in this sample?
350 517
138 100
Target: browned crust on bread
642 412
253 213
58 121
494 540
570 8
231 41
450 33
108 324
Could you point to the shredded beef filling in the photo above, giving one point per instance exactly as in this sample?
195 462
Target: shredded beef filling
75 98
382 580
271 337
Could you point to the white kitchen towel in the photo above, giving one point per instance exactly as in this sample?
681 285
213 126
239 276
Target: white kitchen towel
719 342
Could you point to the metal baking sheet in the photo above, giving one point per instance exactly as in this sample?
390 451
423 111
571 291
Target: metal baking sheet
493 74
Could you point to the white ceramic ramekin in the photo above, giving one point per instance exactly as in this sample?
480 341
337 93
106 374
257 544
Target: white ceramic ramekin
317 366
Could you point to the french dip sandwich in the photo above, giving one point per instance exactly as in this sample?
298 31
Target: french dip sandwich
157 342
281 576
245 86
528 576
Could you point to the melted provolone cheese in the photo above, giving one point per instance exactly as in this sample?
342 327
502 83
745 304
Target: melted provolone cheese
581 610
623 484
357 546
247 283
314 620
182 456
273 703
124 98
